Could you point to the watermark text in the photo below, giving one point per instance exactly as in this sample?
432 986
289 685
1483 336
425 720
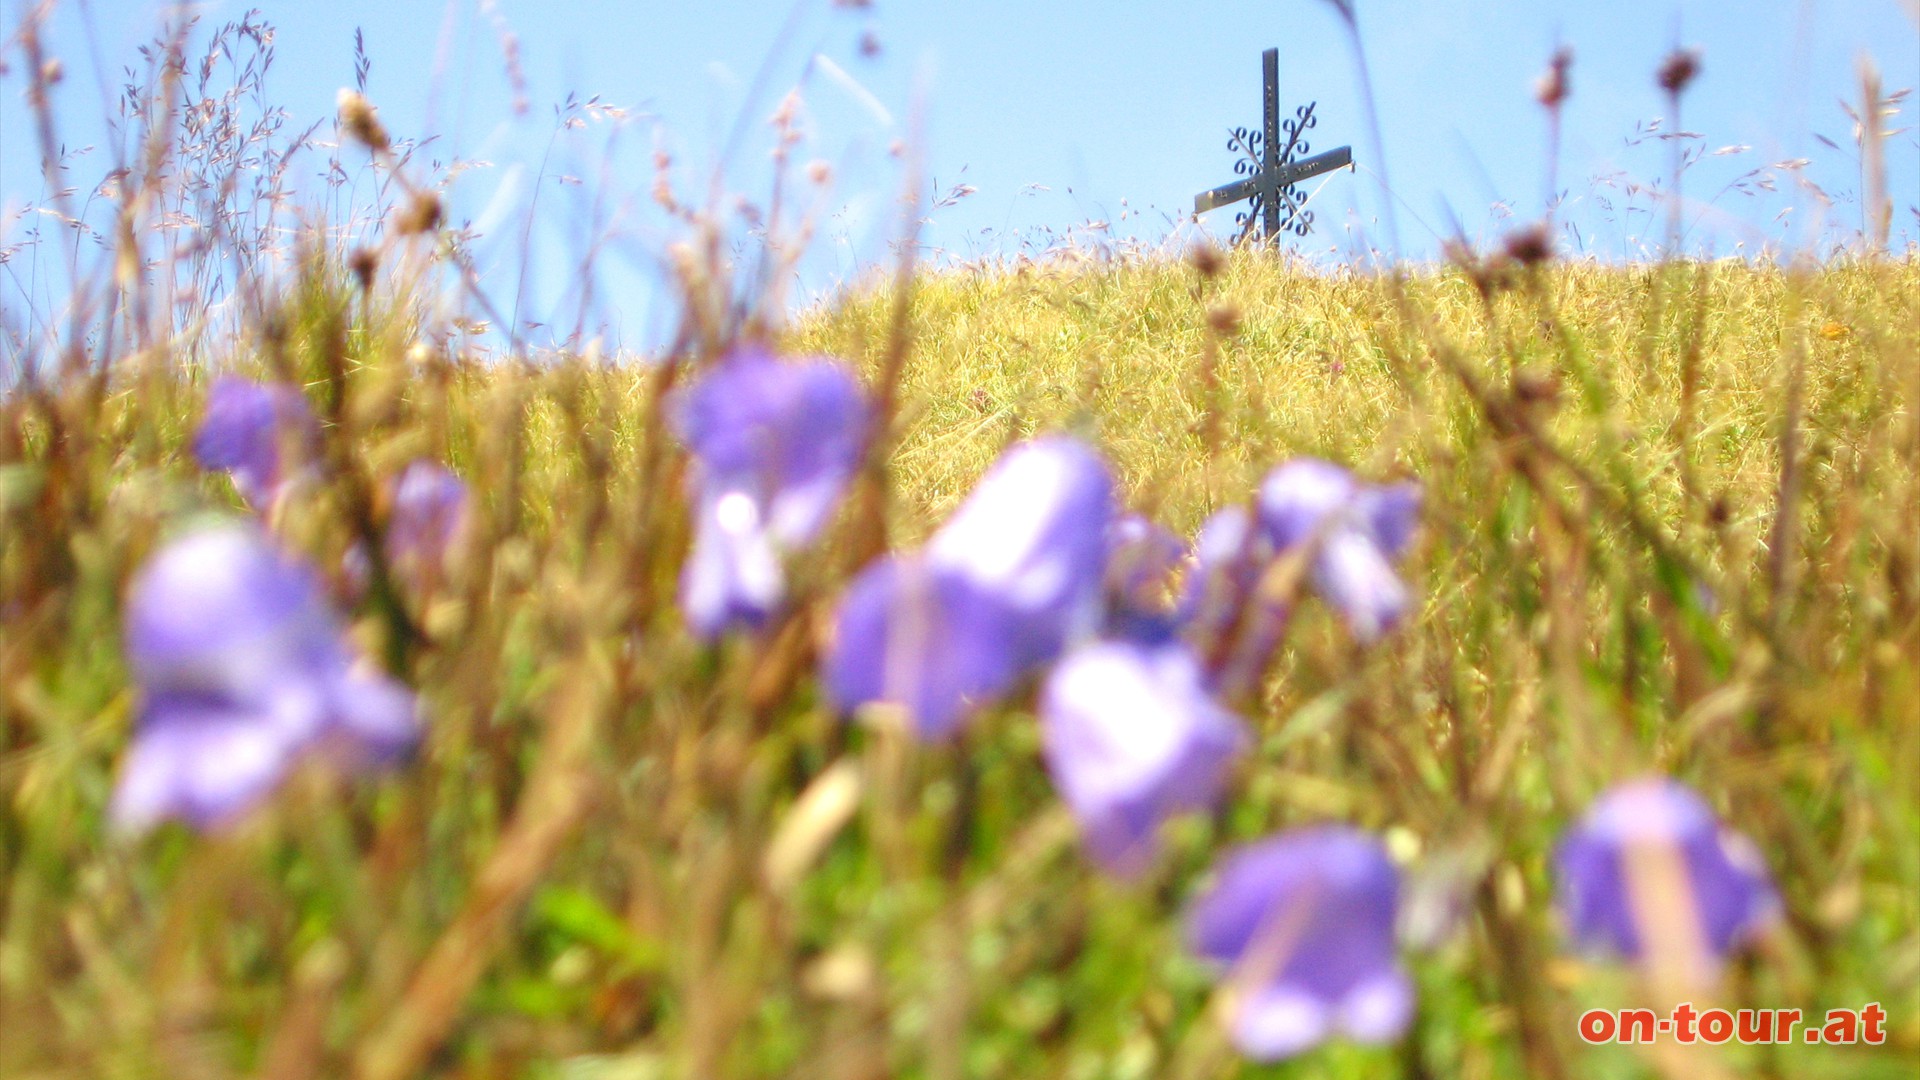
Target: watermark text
1866 1025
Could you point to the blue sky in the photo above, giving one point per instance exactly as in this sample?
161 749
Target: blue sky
1062 113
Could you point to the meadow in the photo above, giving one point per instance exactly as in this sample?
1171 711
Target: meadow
1669 524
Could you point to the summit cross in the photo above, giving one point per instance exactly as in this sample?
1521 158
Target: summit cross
1271 164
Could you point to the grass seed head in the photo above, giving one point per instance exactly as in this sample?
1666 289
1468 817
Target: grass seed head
362 121
1552 88
422 214
1224 319
1208 259
1530 245
364 262
1536 388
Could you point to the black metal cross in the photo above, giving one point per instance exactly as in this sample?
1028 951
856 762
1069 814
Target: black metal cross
1272 166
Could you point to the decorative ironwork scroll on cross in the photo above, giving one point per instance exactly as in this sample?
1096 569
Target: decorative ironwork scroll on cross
1272 161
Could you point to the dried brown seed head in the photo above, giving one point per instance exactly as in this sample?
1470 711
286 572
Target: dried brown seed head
1535 388
363 261
1720 511
1553 88
1224 319
1680 68
422 214
1530 245
361 121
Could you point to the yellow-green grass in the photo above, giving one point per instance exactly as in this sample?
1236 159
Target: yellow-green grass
1118 354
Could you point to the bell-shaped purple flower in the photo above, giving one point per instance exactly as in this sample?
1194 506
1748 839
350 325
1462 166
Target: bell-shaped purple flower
431 508
427 520
774 445
241 670
259 433
1142 559
1132 737
1223 612
1229 554
732 576
1304 924
1358 531
1002 587
923 638
1649 869
429 512
1033 533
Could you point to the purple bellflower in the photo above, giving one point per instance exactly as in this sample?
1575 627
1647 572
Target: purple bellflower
1033 533
1142 559
242 669
1132 738
1304 924
1001 588
921 637
249 431
429 513
1222 611
1358 529
1649 868
429 517
431 507
774 445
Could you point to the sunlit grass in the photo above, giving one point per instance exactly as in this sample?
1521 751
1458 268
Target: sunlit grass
569 881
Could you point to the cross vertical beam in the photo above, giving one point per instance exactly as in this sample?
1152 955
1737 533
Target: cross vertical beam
1270 148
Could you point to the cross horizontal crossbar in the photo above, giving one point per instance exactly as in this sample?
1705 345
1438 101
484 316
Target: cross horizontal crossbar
1278 178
